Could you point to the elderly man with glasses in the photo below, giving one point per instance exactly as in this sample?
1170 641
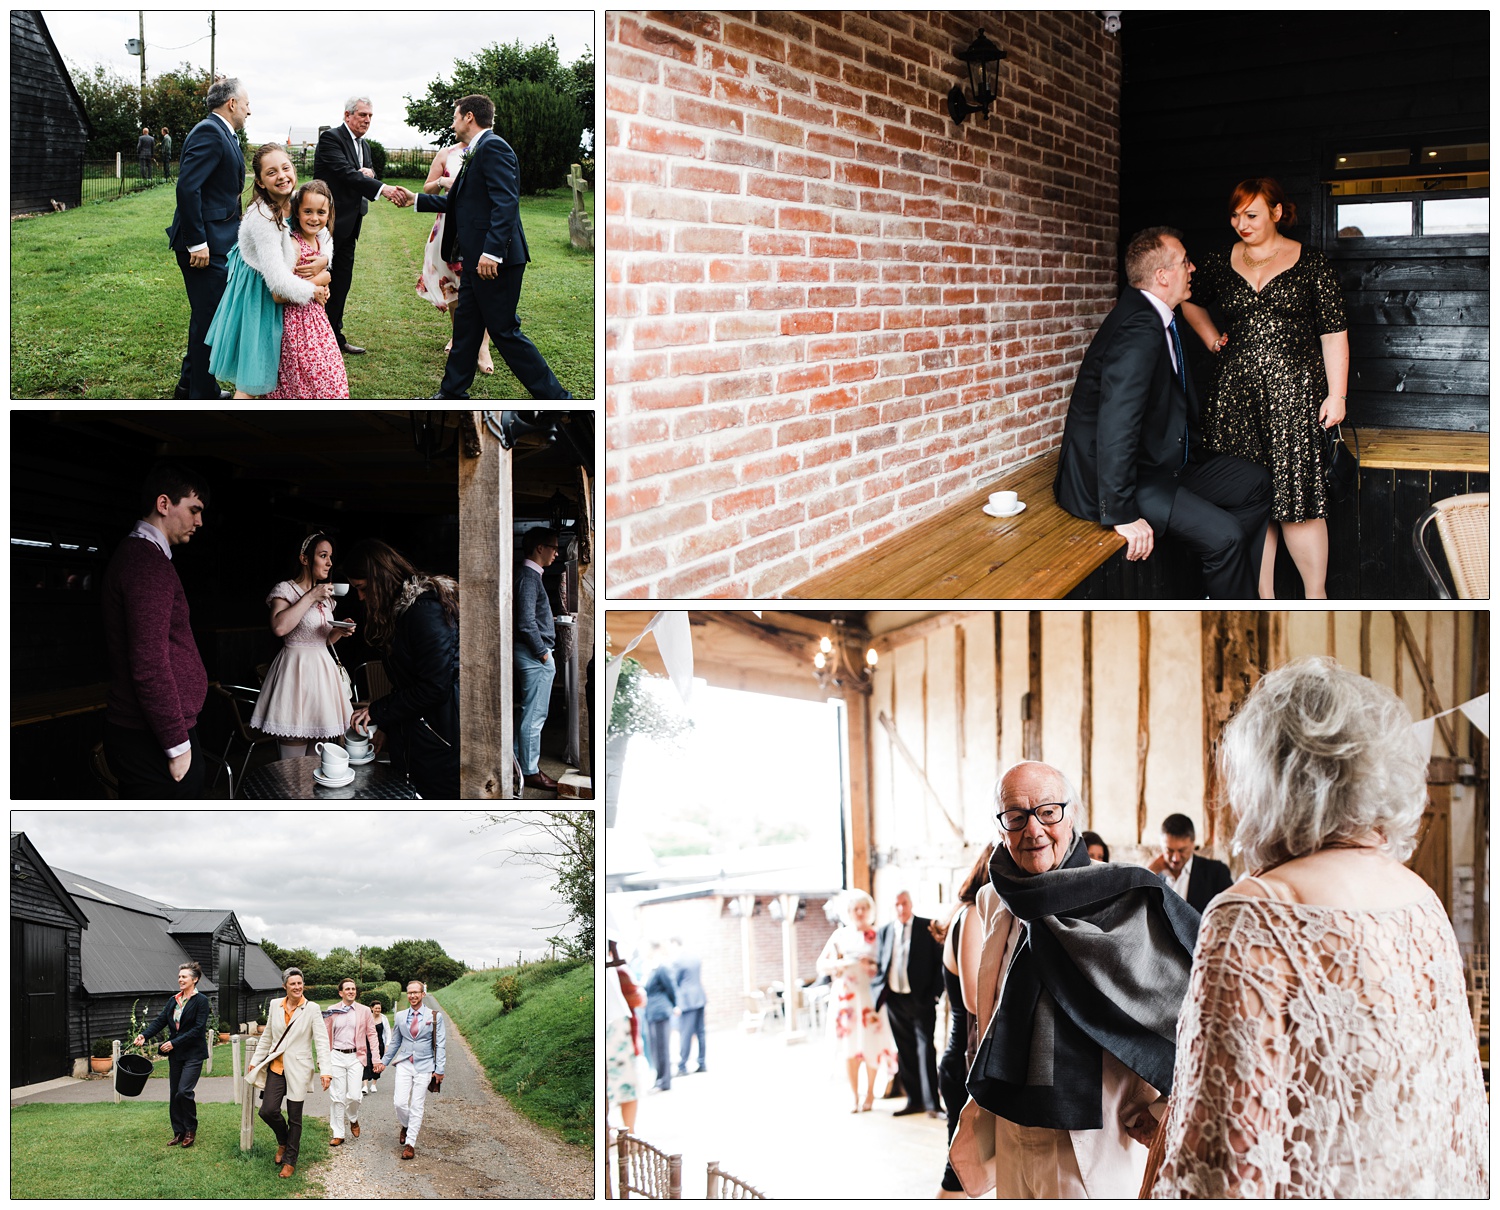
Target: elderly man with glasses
1082 974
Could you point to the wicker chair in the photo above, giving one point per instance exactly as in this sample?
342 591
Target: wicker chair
647 1172
723 1187
1463 524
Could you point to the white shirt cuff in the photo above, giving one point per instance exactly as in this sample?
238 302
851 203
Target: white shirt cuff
183 747
197 247
487 256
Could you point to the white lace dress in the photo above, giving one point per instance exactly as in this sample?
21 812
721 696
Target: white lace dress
303 695
1326 1053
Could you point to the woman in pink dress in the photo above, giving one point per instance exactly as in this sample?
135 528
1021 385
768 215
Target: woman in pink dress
861 1034
311 365
438 280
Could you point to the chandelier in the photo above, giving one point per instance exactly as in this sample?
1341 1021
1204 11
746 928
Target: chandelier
834 663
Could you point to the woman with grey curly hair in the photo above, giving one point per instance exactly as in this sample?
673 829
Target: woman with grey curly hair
1326 1047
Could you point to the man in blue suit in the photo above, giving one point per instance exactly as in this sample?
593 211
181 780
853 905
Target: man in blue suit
484 231
691 1001
418 1052
210 179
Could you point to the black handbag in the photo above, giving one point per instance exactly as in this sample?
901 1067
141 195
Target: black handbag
1340 463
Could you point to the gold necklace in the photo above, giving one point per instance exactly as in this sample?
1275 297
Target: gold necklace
1250 262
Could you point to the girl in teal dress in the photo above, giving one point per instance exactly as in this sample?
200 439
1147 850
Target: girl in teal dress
245 335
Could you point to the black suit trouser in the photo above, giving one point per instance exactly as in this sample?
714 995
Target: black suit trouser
661 1050
182 1078
205 287
491 306
341 276
913 1024
689 1026
1220 512
140 765
288 1130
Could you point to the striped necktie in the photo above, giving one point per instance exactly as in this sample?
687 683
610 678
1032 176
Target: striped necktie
416 1021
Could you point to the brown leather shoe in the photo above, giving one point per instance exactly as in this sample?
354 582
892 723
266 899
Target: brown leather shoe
187 1140
354 1130
408 1152
335 1142
286 1171
539 781
280 1154
403 1134
176 1138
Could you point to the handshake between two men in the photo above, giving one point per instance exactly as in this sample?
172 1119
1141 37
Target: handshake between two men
392 193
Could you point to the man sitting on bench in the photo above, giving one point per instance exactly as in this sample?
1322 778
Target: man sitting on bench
1131 453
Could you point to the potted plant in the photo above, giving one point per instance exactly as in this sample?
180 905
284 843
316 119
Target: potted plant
636 711
102 1056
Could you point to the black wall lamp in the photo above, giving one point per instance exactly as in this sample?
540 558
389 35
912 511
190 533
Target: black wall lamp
983 58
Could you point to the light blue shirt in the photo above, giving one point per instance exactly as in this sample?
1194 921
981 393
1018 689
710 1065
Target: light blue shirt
401 1047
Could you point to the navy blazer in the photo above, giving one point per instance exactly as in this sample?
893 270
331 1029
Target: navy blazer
661 995
690 993
924 962
210 179
1122 443
484 206
189 1037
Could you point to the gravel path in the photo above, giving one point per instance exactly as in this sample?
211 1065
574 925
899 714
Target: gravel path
473 1145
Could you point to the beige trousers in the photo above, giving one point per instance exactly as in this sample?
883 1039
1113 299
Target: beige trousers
1035 1162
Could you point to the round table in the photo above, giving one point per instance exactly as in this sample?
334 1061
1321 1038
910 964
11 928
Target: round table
294 779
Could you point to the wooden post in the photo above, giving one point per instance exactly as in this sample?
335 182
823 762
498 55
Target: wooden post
247 1119
1031 727
791 999
747 941
1142 721
857 721
485 631
236 1068
1086 722
114 1070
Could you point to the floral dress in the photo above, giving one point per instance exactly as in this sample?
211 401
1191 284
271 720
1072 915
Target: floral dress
1269 381
858 1029
438 280
311 365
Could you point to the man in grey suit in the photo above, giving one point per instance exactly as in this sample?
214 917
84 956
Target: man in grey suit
691 1001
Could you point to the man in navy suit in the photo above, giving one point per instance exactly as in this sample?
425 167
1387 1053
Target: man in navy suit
484 231
691 1001
1196 879
343 163
1131 456
210 179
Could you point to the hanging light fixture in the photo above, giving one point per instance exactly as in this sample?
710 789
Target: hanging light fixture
983 59
835 664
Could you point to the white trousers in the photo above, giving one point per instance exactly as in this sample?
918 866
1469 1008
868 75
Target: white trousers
344 1093
410 1098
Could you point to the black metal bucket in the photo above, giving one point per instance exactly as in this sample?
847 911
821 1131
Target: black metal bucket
131 1074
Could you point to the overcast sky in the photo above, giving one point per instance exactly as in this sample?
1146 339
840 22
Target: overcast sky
321 878
301 65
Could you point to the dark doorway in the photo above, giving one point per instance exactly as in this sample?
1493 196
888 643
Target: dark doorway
231 967
39 1003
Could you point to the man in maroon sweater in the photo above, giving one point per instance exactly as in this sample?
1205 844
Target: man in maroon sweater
157 681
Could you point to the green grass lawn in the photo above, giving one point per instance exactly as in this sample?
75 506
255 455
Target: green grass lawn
540 1057
98 309
223 1060
114 1152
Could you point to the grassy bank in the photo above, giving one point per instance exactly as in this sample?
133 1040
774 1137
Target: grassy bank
540 1056
98 308
108 1151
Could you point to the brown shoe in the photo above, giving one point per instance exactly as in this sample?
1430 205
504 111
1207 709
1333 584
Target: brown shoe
403 1134
176 1138
280 1154
286 1171
335 1142
354 1130
408 1152
187 1140
539 781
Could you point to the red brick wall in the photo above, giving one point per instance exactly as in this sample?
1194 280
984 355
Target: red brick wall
829 308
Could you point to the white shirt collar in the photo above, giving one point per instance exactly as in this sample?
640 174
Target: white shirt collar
144 529
352 135
228 125
1161 308
1180 883
536 567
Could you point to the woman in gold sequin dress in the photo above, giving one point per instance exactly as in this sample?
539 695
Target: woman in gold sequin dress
1282 368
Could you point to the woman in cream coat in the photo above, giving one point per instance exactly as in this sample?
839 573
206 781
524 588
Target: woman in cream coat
282 1065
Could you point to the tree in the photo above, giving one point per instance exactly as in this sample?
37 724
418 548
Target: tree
569 854
113 105
424 960
177 100
544 124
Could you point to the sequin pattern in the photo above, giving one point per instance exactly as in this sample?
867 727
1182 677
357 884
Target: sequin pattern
1269 383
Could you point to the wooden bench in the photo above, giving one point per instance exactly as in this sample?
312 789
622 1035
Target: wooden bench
960 552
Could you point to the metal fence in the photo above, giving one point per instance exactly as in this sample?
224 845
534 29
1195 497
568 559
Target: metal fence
100 183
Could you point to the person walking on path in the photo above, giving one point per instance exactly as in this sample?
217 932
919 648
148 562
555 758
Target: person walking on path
351 1036
186 1014
282 1066
371 1073
417 1050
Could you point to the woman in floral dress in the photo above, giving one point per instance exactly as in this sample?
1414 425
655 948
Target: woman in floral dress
438 280
861 1033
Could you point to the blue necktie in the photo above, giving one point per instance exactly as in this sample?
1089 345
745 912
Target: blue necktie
1181 379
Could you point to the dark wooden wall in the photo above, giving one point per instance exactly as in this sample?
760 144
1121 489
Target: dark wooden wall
31 898
48 129
1210 98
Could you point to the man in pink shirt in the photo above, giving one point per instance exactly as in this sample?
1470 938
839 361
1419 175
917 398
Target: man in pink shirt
351 1035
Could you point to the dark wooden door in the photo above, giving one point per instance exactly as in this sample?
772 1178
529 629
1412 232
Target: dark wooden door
1433 857
39 984
231 965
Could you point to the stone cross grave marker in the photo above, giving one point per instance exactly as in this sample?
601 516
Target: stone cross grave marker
580 230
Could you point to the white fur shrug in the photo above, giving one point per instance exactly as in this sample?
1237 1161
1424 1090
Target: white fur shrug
272 252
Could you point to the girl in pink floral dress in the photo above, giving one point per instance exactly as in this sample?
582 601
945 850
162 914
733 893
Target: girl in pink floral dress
311 365
861 1034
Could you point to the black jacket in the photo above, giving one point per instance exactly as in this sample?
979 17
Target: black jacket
337 163
483 207
189 1037
924 963
1207 879
1122 441
423 667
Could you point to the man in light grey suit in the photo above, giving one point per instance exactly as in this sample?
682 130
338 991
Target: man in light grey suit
417 1050
691 1001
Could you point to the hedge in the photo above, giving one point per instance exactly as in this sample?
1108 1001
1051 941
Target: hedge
325 994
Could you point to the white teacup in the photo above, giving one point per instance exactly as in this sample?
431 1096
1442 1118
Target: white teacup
342 590
335 759
358 747
1003 502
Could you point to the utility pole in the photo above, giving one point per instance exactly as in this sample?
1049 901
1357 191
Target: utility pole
212 32
141 13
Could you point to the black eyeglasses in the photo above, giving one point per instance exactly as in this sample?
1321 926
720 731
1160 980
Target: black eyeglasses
1013 819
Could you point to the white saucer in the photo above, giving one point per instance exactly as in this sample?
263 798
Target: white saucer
362 760
1015 512
331 782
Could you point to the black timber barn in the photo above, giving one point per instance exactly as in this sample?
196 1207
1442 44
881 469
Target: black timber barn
48 125
125 958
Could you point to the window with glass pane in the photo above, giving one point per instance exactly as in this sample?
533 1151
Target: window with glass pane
1455 216
1374 220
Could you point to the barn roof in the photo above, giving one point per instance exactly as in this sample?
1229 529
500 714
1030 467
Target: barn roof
199 921
126 951
20 843
261 974
92 888
62 67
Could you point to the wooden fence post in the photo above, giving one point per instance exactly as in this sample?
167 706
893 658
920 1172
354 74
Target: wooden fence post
114 1069
234 1056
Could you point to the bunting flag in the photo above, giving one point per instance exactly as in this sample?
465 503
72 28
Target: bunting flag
1476 710
674 639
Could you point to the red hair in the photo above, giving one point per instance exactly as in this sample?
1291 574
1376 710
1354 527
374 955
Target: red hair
1270 189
